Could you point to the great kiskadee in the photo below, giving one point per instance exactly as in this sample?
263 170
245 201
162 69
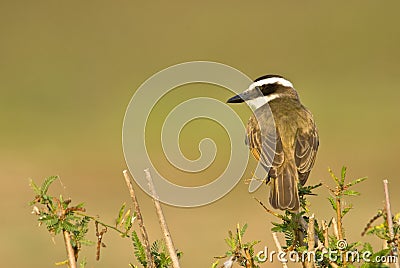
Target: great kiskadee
294 133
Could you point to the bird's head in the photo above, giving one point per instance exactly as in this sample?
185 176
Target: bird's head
265 89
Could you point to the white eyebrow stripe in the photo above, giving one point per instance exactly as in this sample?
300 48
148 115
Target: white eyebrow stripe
271 80
260 101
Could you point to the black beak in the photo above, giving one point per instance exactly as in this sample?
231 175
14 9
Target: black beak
235 99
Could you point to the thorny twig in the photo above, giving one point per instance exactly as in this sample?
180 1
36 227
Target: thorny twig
99 236
268 210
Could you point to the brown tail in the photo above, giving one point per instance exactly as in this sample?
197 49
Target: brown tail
284 194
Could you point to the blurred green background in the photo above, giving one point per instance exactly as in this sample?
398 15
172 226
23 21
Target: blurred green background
69 68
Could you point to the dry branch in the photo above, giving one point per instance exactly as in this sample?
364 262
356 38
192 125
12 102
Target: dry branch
390 221
311 241
163 223
325 233
139 218
278 246
70 250
335 229
339 218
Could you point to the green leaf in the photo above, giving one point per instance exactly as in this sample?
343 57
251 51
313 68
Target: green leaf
307 190
179 254
350 193
120 214
229 253
34 187
367 247
356 181
231 243
50 220
333 202
86 242
80 205
215 264
139 249
277 229
330 222
128 222
333 176
46 184
243 229
343 175
155 247
69 227
353 246
82 263
346 210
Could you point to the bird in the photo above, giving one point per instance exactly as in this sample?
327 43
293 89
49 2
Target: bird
280 119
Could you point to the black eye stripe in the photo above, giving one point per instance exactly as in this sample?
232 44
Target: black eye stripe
268 88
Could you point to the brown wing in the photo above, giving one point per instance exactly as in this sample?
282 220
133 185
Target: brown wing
306 146
265 145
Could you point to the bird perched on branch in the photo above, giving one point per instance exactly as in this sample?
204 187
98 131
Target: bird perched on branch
282 136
